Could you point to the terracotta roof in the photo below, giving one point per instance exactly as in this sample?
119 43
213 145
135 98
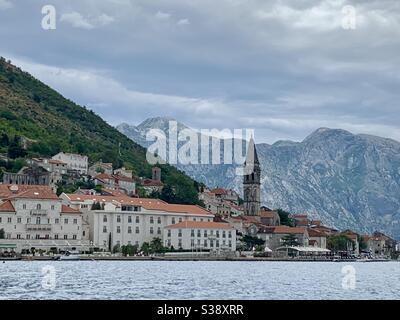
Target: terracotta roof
104 176
52 161
299 216
199 225
7 207
151 183
148 204
27 191
316 233
267 214
288 230
219 191
69 210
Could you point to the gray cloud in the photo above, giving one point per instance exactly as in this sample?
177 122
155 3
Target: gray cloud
283 68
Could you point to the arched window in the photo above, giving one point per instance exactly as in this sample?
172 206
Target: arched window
39 206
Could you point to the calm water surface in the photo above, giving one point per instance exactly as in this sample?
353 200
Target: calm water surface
198 280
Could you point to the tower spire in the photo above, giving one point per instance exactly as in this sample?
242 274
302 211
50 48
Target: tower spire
252 181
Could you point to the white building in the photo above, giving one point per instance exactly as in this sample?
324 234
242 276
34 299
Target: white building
125 220
74 162
197 235
34 217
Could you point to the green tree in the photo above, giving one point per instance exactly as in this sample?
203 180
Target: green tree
129 250
290 241
285 218
145 248
338 242
362 243
116 248
15 149
156 246
249 242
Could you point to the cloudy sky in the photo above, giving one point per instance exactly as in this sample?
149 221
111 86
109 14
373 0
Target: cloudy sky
283 68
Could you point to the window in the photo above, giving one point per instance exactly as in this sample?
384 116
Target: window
28 236
9 220
74 237
217 243
0 219
217 233
28 220
173 220
118 218
52 207
192 233
223 234
75 221
129 219
24 206
56 236
118 229
65 237
169 233
129 229
37 236
151 230
230 234
180 243
179 233
19 220
104 218
180 220
198 233
169 243
18 236
104 229
57 221
39 206
137 230
151 220
230 243
159 220
158 230
194 219
48 221
192 243
65 221
137 219
205 233
205 243
211 244
83 233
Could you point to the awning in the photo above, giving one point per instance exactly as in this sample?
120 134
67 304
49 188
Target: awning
8 246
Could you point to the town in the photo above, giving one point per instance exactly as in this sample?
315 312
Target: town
111 218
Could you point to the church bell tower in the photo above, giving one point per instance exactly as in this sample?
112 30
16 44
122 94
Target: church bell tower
252 181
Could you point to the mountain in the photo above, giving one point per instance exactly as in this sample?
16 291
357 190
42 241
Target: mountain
346 180
50 123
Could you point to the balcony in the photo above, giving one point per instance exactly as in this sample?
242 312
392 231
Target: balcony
39 213
38 227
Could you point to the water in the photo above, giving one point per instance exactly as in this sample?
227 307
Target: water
197 280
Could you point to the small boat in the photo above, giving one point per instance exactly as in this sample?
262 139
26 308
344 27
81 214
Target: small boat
70 256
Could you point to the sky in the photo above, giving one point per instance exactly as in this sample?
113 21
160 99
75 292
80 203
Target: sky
282 68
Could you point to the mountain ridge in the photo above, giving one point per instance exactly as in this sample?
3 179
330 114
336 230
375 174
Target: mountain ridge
347 180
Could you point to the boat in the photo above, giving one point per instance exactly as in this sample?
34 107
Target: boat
70 256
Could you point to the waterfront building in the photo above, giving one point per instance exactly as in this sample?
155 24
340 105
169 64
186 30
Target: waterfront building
122 220
200 235
34 217
317 238
276 236
75 162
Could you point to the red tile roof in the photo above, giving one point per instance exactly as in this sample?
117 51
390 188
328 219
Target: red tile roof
199 225
316 233
286 230
7 207
148 204
69 210
219 191
27 192
152 183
